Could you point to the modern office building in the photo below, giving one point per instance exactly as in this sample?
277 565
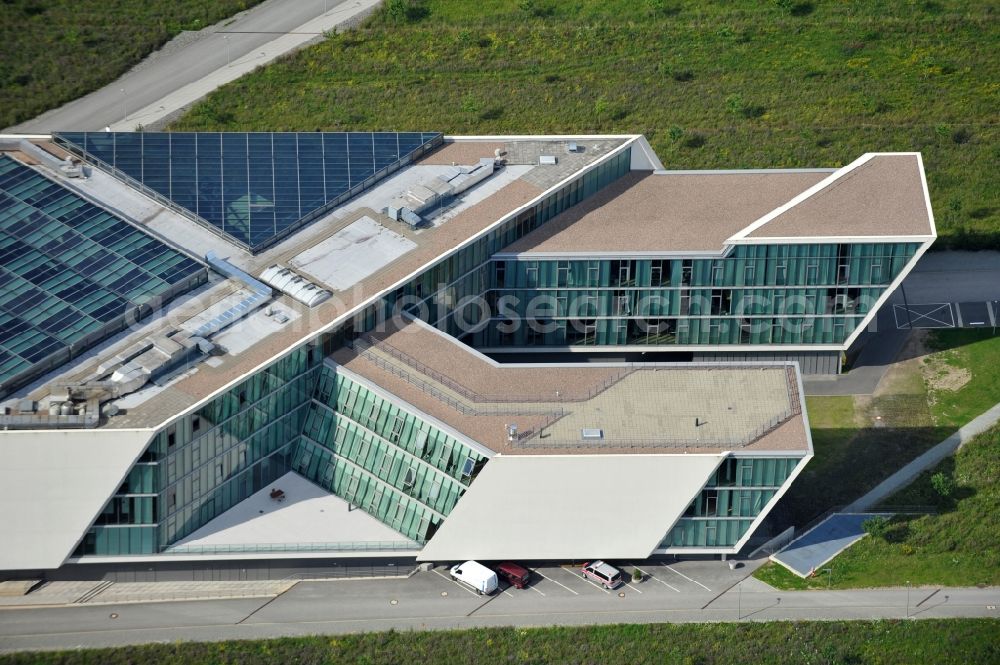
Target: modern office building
312 378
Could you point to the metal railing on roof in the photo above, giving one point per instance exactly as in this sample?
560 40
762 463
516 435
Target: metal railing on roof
367 349
539 440
465 408
306 219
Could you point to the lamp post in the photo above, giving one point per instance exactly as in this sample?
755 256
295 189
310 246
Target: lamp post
124 105
739 601
229 51
829 578
907 599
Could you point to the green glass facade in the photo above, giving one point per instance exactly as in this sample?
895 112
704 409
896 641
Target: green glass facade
757 295
303 415
206 462
732 499
370 452
446 286
287 417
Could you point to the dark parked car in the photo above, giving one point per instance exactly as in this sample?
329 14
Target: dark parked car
515 575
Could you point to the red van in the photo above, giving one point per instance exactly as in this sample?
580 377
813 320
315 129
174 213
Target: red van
515 575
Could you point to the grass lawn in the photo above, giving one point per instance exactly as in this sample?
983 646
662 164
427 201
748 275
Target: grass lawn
957 547
975 352
53 51
712 85
937 641
859 441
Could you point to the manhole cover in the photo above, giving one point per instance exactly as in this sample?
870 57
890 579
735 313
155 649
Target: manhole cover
621 594
394 602
444 593
113 615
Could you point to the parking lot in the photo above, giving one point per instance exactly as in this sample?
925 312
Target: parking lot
553 589
688 591
659 577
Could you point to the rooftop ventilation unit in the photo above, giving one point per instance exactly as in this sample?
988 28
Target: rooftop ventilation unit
548 160
592 434
454 180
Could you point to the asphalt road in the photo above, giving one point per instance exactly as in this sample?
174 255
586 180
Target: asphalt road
165 73
938 277
431 601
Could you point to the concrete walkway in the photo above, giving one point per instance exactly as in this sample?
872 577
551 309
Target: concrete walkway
908 473
105 592
812 550
194 64
951 276
303 35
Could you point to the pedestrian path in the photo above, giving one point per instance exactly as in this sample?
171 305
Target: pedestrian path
107 592
52 593
929 459
810 551
348 14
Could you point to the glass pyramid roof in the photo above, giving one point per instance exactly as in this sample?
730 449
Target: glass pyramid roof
254 188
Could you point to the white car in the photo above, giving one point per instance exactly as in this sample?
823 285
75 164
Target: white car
603 573
475 575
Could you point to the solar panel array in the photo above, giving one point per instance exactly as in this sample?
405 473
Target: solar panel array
69 270
253 187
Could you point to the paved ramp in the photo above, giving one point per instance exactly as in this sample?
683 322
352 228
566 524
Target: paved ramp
813 549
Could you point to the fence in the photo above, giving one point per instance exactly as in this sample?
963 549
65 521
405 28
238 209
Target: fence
262 548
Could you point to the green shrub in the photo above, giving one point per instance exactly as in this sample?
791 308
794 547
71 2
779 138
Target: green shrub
877 526
944 485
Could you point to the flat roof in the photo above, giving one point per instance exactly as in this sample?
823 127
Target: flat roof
876 195
879 195
53 485
606 506
637 407
485 205
305 515
645 212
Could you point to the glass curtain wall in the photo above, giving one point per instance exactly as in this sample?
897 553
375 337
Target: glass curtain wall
736 494
467 274
207 462
242 440
382 459
760 294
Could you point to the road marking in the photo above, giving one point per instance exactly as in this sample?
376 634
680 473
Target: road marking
916 313
504 591
532 587
575 593
456 583
686 577
594 584
651 575
632 587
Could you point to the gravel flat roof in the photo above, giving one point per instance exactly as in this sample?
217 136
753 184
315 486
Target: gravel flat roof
637 407
668 212
884 196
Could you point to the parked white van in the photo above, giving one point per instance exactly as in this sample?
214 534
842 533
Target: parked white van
475 575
